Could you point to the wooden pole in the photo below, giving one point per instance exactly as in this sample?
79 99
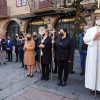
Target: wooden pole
97 61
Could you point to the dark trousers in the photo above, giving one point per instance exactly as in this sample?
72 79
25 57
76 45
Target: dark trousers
63 66
21 56
55 65
83 59
9 55
45 70
17 56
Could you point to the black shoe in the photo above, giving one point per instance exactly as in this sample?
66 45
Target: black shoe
5 63
16 61
8 61
28 75
42 78
73 72
35 71
92 92
59 83
46 79
82 73
31 76
63 84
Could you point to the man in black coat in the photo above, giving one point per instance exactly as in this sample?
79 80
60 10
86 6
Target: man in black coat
44 50
64 55
16 47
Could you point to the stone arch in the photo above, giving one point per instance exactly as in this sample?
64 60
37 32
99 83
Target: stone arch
8 22
34 24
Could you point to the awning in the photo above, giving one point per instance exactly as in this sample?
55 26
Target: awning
47 14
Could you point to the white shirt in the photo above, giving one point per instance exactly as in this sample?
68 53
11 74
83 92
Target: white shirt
41 49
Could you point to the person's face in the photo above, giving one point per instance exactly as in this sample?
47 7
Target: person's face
16 35
97 20
9 38
20 37
61 31
28 37
34 35
86 28
3 37
46 33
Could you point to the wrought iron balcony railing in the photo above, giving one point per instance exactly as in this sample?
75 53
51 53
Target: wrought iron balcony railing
37 5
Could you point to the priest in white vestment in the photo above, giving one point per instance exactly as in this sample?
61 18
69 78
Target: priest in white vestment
91 61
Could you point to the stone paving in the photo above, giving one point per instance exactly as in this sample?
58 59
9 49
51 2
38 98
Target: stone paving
14 85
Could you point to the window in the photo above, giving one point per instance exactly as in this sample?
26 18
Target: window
18 3
21 3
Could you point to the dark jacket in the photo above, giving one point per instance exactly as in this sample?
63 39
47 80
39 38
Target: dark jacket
64 49
36 42
9 45
47 55
20 45
2 44
16 47
80 42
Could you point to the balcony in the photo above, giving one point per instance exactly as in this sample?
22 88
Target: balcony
4 11
38 6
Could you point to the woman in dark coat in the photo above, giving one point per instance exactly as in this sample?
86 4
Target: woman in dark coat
64 55
46 55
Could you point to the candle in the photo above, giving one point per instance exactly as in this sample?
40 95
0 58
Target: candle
98 3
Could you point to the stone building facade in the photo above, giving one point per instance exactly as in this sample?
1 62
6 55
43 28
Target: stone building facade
28 16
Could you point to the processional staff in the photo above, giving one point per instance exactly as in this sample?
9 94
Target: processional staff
97 14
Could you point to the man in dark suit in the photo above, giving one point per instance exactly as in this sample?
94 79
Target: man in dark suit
9 48
16 47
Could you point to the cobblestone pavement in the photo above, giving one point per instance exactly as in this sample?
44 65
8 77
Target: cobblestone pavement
14 85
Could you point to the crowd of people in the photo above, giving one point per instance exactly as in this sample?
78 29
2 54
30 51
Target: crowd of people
37 54
34 52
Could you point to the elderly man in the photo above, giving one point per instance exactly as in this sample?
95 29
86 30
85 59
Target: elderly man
92 36
82 49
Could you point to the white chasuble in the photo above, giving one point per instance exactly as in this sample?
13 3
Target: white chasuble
91 59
